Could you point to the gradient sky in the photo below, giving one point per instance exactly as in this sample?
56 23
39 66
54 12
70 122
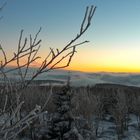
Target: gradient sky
114 34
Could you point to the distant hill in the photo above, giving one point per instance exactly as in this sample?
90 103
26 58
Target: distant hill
82 78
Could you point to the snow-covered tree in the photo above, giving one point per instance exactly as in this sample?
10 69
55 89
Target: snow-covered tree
61 126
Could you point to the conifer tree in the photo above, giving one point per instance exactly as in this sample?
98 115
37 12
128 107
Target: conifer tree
62 119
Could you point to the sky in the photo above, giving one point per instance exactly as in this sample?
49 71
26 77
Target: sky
114 34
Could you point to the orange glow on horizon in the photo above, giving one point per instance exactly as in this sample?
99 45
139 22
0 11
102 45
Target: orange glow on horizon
117 70
90 59
92 68
95 67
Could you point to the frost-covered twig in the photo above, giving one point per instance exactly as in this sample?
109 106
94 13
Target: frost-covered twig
28 50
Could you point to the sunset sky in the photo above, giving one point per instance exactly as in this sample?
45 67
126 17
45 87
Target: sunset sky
114 34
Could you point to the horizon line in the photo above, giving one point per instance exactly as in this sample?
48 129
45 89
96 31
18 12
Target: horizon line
66 69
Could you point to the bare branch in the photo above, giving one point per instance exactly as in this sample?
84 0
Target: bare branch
4 54
28 49
3 5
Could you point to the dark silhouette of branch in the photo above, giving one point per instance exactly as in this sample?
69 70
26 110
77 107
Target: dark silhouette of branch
28 49
1 8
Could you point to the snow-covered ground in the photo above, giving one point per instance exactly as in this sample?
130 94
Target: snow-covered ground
107 129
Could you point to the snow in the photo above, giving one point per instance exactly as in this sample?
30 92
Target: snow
107 130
